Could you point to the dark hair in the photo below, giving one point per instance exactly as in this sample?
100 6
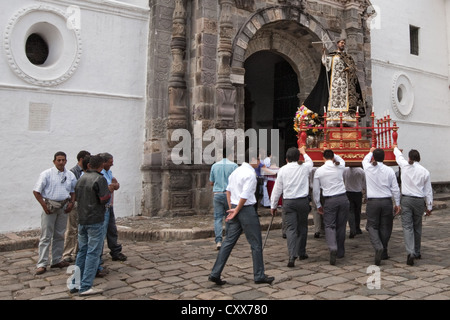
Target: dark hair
378 156
86 161
82 154
329 155
292 154
414 155
96 161
59 153
106 156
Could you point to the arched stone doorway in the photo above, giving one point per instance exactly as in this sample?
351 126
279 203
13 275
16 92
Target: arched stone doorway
271 99
276 45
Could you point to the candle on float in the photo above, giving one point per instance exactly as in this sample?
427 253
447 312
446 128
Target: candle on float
357 109
324 109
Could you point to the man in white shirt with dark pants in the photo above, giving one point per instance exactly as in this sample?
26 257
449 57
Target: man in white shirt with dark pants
242 217
416 186
293 183
329 178
381 186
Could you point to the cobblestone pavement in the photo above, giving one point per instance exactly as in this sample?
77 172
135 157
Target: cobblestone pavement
178 270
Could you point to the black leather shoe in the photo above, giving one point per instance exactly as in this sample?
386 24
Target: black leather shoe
217 281
74 290
333 255
303 257
352 235
410 260
291 263
119 257
378 254
317 235
266 279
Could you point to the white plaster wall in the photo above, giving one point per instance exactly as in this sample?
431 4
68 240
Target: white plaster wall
428 124
100 108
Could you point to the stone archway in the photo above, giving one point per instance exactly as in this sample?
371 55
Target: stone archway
287 31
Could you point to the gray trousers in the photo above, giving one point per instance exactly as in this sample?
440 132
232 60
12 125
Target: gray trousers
296 218
246 221
380 220
412 215
354 219
335 216
53 228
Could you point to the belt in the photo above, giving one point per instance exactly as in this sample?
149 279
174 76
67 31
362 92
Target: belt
386 198
300 198
220 192
63 202
403 195
337 195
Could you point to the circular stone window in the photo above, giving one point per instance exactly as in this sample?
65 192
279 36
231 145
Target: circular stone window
42 46
402 95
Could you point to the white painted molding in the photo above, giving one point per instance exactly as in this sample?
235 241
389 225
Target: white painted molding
402 95
63 38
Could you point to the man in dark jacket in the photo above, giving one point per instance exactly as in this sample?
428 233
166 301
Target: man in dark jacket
92 194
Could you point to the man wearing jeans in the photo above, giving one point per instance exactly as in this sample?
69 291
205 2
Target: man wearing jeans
92 194
218 177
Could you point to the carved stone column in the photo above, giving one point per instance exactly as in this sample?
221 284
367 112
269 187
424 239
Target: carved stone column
177 115
225 92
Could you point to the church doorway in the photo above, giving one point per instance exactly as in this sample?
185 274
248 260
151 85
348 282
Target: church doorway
271 99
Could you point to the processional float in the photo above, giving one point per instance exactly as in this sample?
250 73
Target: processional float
350 143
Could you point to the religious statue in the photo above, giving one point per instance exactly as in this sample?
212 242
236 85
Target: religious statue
337 89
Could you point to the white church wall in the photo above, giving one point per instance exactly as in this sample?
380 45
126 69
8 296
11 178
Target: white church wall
99 107
414 89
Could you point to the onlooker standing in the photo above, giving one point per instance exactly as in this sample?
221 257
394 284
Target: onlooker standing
355 184
218 177
293 183
416 186
112 235
242 218
329 178
381 186
54 191
71 239
92 193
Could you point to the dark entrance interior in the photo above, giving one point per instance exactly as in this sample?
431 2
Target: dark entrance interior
271 98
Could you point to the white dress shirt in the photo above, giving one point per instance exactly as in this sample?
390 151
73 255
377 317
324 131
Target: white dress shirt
56 185
354 179
292 181
416 180
381 181
242 184
330 178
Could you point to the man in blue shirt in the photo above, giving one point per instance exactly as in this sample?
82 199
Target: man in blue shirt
110 220
220 171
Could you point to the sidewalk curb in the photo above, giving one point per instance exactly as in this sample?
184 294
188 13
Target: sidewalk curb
167 234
